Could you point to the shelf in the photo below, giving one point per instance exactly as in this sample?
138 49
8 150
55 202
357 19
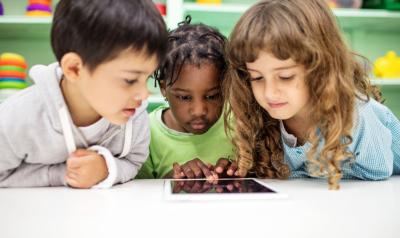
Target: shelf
385 82
24 20
366 13
20 27
369 19
226 7
339 12
155 98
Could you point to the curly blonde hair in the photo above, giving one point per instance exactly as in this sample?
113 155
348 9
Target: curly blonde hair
306 32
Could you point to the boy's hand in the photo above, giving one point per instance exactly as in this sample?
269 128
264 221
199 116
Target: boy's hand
85 169
194 168
226 168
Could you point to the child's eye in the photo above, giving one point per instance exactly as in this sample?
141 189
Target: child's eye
256 78
184 98
213 97
130 81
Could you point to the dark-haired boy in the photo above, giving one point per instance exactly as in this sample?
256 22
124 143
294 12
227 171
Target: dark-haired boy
84 122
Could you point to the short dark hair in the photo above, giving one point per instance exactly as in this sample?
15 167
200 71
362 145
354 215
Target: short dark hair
192 44
99 30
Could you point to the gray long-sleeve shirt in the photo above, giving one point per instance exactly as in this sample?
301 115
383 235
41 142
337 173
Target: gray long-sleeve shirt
33 148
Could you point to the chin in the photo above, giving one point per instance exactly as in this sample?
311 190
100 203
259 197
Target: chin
279 116
118 121
198 132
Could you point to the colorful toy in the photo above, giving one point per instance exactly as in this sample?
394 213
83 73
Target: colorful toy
1 9
387 66
12 72
39 8
161 8
344 3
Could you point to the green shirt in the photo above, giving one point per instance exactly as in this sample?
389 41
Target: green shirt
168 146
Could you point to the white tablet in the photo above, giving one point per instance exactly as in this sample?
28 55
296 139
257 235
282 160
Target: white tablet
232 188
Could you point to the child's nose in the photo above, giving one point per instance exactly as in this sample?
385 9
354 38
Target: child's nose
199 109
270 90
142 94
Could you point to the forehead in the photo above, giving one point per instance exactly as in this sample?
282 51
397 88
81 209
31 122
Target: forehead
130 59
267 61
201 77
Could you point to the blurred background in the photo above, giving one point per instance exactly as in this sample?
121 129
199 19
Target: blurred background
370 27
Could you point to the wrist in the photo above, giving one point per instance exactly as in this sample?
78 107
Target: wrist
111 167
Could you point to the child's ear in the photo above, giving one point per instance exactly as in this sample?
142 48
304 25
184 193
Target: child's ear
71 65
163 88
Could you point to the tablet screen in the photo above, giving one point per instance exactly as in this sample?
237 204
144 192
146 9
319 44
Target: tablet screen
225 186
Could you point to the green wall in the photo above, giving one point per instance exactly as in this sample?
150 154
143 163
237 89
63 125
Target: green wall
369 34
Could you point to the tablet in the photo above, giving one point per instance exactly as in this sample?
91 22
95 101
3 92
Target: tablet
225 189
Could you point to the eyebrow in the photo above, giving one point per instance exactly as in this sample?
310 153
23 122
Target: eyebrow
134 71
180 90
187 90
278 68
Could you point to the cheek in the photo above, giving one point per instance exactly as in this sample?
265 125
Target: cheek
304 93
215 109
258 93
179 110
112 96
299 97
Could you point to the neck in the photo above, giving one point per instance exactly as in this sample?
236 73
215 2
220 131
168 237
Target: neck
82 113
170 121
298 127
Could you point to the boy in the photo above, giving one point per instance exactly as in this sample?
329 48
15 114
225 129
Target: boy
93 99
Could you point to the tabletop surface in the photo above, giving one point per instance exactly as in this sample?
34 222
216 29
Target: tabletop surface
138 208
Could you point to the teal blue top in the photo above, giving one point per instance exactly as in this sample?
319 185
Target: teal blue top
376 145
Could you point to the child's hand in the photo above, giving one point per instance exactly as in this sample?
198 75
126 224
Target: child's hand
85 169
193 169
226 168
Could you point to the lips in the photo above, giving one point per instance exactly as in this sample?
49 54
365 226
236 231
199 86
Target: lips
129 111
198 125
277 105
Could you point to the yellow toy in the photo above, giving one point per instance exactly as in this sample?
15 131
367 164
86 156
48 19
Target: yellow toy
38 14
39 8
387 66
12 56
209 1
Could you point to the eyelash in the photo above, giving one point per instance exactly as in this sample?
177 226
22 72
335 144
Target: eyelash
256 79
183 98
208 98
213 97
282 78
287 78
130 81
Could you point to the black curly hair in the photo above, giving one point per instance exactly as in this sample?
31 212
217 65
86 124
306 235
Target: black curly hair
193 44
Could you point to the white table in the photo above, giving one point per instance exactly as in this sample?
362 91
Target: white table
138 209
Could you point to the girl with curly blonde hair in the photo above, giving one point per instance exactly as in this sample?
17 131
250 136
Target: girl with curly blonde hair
302 101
